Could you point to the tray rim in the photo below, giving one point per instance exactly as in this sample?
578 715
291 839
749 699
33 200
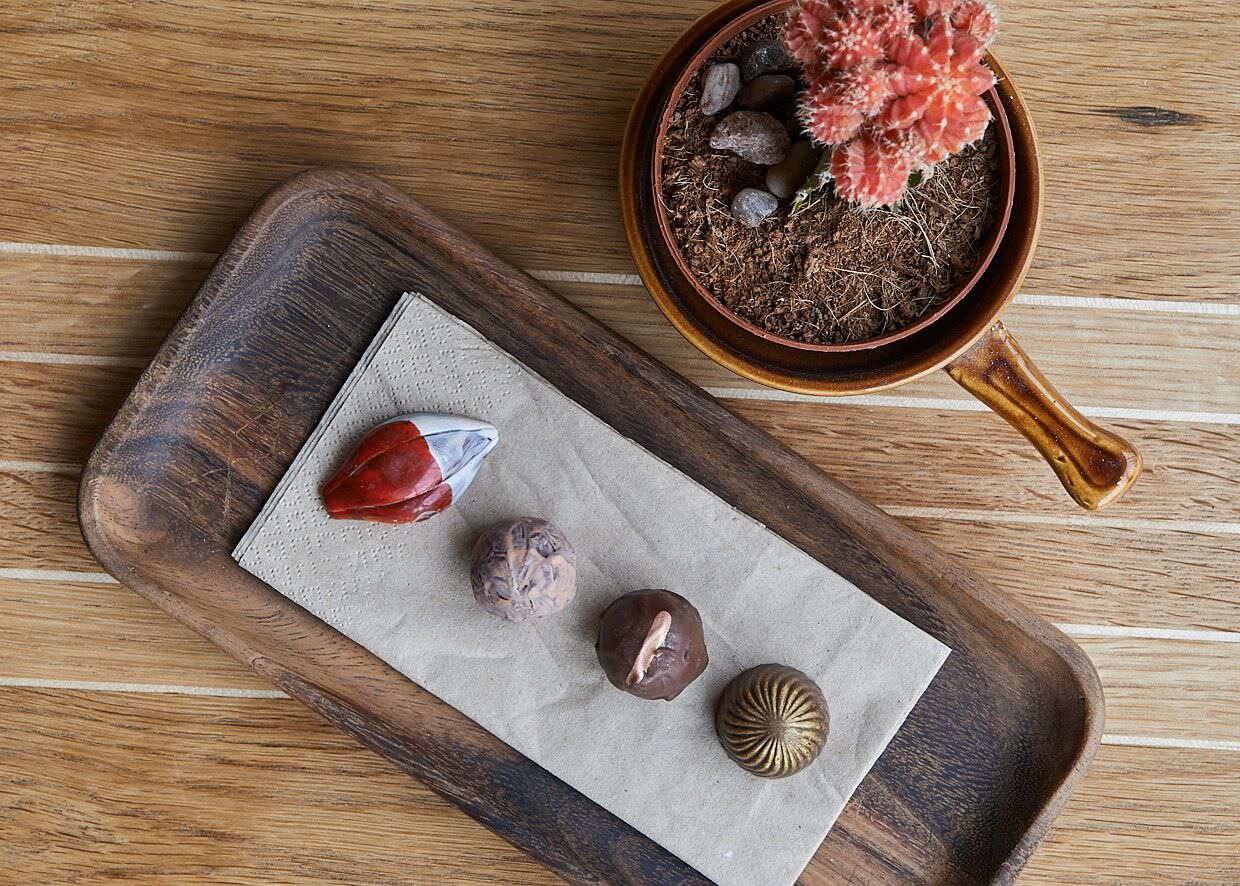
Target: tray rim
105 546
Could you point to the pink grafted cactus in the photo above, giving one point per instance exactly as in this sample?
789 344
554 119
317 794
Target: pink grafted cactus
926 8
873 167
980 20
894 85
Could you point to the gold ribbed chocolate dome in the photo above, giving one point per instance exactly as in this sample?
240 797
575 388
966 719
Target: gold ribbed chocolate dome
772 720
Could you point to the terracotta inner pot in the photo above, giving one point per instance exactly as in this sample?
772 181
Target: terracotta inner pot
1006 195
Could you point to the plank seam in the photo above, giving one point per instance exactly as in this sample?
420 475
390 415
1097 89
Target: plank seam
99 578
1198 527
1134 305
141 688
1158 741
946 403
551 276
1122 632
585 277
40 467
1148 741
68 250
1096 302
1076 630
757 394
54 357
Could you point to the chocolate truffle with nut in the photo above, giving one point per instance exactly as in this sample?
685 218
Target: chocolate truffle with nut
650 644
523 569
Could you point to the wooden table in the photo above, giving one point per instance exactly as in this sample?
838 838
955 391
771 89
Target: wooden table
136 135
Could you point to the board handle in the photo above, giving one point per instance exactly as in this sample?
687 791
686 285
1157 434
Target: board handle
1094 465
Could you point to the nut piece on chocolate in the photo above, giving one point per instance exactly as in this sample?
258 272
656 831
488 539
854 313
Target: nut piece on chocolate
650 644
523 569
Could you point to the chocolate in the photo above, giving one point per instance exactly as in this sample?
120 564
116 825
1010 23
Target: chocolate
409 468
523 569
772 720
650 644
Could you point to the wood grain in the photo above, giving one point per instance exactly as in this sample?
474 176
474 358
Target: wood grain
120 309
1169 578
156 124
72 631
1169 688
1147 817
91 306
175 789
1081 575
1191 475
182 789
55 412
38 523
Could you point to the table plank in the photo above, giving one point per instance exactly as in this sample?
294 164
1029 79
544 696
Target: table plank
38 522
65 631
119 309
157 124
1144 816
1096 575
54 412
59 632
259 790
896 457
1169 688
1131 566
91 306
180 789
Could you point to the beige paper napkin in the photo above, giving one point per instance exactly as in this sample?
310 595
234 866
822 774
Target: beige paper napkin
403 593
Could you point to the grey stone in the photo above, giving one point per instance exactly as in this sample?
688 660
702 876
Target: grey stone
752 206
720 84
766 90
753 135
784 178
764 57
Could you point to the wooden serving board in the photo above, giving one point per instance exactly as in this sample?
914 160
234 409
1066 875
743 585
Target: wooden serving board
963 793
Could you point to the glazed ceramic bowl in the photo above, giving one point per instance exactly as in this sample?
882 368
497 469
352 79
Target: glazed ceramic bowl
964 336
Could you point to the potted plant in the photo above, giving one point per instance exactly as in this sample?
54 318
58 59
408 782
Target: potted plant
838 196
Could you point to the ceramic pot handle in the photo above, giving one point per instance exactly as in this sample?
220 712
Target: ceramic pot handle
1094 465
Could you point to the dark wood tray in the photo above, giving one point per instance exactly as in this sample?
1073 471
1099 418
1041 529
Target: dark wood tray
964 792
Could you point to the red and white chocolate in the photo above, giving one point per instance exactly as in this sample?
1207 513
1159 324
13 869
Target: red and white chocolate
409 468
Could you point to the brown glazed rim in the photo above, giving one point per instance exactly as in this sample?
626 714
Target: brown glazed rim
994 238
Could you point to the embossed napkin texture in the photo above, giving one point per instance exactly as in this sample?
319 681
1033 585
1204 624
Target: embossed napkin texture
403 593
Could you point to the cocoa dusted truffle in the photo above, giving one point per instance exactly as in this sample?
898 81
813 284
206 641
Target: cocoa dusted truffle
650 644
523 569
